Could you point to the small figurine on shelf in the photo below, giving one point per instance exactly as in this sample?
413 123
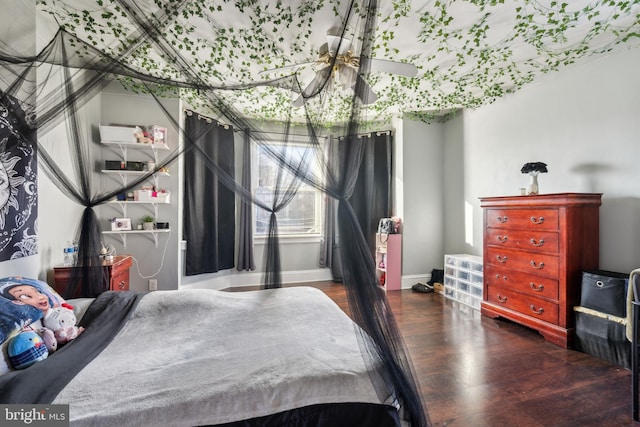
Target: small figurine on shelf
397 222
144 137
381 265
147 222
383 279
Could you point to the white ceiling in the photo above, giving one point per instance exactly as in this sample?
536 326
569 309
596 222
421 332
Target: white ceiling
467 52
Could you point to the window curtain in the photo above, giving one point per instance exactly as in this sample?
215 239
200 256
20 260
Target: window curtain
245 236
329 258
209 207
371 199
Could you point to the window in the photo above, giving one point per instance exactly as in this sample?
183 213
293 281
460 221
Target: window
303 215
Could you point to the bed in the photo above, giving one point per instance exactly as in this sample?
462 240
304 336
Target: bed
287 356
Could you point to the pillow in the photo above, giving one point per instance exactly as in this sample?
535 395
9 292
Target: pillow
23 301
80 306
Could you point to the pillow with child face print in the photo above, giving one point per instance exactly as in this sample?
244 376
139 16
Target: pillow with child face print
23 301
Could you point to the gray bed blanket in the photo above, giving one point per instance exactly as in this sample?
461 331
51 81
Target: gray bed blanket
198 357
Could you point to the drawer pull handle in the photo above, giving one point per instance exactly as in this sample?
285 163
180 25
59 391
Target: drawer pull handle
503 277
537 266
501 298
502 219
539 220
538 288
121 285
536 243
502 239
501 258
537 310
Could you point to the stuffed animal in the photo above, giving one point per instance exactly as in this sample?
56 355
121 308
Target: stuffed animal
143 137
49 339
25 349
62 321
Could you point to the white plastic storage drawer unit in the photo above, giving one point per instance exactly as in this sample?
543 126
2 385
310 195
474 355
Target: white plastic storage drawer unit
463 279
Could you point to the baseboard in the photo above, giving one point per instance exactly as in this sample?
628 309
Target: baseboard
408 281
238 279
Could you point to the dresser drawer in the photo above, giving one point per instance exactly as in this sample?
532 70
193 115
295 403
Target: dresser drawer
531 240
522 282
525 304
120 282
532 246
528 219
535 263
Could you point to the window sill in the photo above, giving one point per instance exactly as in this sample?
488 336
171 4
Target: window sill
289 238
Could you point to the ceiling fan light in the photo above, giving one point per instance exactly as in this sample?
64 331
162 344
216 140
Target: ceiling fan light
336 47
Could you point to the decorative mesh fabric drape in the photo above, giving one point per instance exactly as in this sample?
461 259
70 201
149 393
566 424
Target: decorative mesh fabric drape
73 68
209 207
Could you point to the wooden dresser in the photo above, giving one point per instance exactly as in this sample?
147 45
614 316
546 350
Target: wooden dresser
535 249
115 274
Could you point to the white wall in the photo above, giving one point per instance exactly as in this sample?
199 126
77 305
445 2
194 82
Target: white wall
583 122
58 215
420 151
150 261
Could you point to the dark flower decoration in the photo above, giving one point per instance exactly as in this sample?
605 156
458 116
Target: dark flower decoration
534 167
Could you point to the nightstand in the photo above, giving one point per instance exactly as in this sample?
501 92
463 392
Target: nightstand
115 274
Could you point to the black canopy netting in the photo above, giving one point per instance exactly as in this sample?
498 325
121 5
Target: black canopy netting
44 84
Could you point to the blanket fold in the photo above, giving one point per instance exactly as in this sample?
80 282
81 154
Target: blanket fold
41 383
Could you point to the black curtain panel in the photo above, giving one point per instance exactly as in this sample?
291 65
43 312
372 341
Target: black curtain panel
209 206
245 224
372 194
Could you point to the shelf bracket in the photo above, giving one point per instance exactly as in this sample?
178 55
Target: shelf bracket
123 150
123 239
123 208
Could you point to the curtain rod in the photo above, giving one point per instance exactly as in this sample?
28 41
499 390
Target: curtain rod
289 134
368 134
206 118
226 126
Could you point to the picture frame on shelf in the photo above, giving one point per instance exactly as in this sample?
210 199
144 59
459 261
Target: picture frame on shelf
121 224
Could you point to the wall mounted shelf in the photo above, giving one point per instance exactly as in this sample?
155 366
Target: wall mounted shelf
126 172
131 202
152 233
123 205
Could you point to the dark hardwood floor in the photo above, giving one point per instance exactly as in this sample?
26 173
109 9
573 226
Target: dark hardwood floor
475 371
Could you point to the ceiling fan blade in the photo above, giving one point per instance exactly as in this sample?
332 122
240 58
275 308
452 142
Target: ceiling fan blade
314 86
349 77
393 67
366 94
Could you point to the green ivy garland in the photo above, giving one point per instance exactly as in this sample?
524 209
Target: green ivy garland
461 65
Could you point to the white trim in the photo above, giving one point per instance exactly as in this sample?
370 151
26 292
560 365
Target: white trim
408 281
233 279
261 239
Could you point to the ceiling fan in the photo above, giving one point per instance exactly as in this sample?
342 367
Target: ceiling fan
337 64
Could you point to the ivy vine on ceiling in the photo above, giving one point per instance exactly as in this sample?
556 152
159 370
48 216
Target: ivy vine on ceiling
468 52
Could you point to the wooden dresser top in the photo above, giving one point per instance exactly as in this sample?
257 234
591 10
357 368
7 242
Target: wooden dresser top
550 200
